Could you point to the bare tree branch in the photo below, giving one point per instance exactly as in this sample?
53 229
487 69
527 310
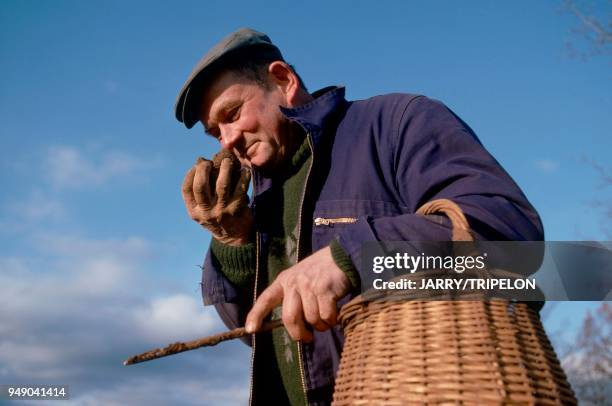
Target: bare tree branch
588 360
603 36
594 25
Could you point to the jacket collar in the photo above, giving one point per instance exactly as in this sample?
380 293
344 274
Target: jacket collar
316 118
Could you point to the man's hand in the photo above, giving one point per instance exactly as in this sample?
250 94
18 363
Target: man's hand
223 210
308 291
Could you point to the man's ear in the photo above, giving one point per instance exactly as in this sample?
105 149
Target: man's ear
283 77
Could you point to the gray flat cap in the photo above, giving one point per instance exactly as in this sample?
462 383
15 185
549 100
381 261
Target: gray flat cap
244 41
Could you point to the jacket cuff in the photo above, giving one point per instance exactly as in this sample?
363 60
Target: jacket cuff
237 262
344 262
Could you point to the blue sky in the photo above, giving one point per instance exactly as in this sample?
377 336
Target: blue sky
98 258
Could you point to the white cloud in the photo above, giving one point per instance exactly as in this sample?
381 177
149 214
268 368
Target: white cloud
101 276
95 267
547 165
178 317
70 167
41 361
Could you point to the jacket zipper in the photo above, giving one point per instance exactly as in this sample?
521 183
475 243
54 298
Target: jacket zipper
253 341
321 221
299 239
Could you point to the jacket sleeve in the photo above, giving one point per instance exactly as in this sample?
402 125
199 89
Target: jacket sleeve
436 155
232 301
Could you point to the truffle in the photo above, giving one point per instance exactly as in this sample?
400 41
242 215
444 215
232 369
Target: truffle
235 168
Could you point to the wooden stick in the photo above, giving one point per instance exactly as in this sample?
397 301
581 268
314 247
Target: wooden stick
201 342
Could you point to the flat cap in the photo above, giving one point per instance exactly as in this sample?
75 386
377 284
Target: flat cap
245 40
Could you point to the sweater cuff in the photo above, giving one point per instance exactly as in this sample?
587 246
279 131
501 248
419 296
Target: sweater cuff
237 262
343 261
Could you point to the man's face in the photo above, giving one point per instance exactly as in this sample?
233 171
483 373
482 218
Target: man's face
245 118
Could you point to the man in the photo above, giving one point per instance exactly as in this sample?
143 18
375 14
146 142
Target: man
328 175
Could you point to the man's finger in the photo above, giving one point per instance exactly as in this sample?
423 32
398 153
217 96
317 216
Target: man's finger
187 189
311 311
201 184
224 182
293 317
328 310
271 297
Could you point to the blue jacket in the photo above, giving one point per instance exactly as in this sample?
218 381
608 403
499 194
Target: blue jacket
375 162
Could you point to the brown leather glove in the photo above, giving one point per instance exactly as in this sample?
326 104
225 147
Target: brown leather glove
215 194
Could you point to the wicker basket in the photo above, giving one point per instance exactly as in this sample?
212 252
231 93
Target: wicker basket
447 352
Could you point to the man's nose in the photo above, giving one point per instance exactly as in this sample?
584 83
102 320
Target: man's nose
230 136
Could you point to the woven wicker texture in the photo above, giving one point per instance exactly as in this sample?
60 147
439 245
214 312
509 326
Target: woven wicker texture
447 352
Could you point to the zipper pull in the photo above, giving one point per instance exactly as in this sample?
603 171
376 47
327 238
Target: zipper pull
320 221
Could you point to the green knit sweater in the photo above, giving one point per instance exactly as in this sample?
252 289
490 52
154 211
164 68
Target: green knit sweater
238 263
